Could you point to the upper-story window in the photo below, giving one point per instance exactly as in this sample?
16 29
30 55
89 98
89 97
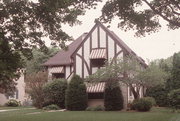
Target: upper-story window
98 57
57 72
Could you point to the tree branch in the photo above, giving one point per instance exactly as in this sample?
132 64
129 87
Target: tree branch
173 10
176 23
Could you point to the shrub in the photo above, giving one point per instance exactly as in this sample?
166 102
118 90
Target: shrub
159 93
51 107
151 99
34 87
174 99
54 92
142 104
12 103
96 108
113 99
76 96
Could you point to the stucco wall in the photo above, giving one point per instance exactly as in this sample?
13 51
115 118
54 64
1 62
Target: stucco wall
21 92
95 102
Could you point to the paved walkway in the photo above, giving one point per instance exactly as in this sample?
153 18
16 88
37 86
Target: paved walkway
5 110
46 111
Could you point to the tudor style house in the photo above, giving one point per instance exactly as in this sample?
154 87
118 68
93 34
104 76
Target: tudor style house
86 55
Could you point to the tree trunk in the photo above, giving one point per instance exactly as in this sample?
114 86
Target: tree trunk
135 93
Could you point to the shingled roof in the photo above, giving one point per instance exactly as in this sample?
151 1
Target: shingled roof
63 57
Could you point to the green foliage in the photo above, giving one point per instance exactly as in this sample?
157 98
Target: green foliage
153 75
76 96
142 75
54 92
113 99
142 104
175 79
34 87
151 99
174 98
51 107
133 15
95 108
159 93
38 58
10 65
23 26
12 103
43 18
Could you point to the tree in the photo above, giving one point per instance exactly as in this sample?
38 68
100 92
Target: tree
10 63
130 72
175 79
159 93
76 96
142 15
25 23
34 87
38 58
54 92
113 99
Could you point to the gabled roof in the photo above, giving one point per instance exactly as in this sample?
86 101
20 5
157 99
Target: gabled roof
63 57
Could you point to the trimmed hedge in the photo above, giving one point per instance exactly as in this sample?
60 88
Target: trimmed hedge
113 99
54 92
142 104
174 99
76 96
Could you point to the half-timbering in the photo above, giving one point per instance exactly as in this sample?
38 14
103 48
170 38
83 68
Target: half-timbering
88 53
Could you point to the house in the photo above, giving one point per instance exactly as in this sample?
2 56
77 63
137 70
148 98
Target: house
19 94
86 55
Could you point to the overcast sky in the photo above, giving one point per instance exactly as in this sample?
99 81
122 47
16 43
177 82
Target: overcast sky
155 46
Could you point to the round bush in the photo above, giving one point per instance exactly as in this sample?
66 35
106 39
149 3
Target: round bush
174 99
113 99
142 104
51 107
12 103
76 96
151 99
54 92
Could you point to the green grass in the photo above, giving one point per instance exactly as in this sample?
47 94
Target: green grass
156 114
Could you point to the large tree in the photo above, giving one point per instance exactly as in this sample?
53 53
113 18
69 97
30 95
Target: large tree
174 82
130 72
142 15
24 23
10 62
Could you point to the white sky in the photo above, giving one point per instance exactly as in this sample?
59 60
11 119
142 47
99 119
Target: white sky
155 46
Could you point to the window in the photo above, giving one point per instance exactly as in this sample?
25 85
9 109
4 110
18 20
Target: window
58 75
99 95
98 57
98 62
14 96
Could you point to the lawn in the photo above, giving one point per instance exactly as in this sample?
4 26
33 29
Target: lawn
26 114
